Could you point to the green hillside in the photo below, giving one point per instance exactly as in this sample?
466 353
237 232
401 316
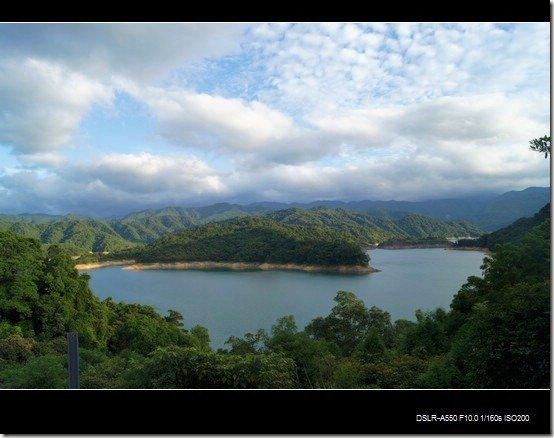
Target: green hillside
512 233
367 222
80 235
77 236
423 226
368 230
489 212
253 239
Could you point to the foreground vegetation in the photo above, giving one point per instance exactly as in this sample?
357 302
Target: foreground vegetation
495 335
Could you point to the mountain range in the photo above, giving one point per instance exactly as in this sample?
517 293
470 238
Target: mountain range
367 222
487 212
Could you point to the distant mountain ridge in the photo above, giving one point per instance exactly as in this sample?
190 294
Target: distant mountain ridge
80 235
366 221
487 212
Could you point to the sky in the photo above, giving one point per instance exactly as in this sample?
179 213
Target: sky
109 118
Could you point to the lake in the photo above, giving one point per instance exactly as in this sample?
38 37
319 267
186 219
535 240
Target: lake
236 302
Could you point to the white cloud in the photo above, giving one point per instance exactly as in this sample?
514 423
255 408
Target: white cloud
418 178
52 74
338 111
474 117
316 67
112 183
121 183
196 119
43 159
42 104
140 51
145 173
249 132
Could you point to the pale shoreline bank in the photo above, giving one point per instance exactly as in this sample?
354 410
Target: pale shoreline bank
241 266
473 248
96 265
235 266
450 248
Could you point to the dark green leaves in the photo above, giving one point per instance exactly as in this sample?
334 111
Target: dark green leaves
256 240
541 145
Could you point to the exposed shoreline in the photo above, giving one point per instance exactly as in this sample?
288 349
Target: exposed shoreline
472 248
96 265
415 246
241 266
437 246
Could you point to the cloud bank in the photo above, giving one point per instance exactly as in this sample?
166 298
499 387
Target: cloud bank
201 113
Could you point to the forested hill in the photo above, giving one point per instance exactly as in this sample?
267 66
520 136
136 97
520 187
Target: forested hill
368 222
80 235
77 235
368 230
253 239
512 233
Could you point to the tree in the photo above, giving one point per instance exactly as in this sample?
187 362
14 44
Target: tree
371 348
251 343
182 367
428 338
441 373
200 337
21 267
40 372
347 374
174 317
140 328
505 339
67 304
399 371
541 145
313 358
346 325
506 343
16 349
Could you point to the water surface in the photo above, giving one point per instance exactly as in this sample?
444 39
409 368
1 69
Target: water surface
235 302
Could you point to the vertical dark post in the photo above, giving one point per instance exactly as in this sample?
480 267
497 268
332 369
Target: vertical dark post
73 359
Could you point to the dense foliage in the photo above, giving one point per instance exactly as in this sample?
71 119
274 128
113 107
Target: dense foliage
81 235
77 235
495 335
511 234
367 222
541 145
253 239
369 230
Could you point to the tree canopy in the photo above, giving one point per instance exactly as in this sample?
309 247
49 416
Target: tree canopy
253 239
541 145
